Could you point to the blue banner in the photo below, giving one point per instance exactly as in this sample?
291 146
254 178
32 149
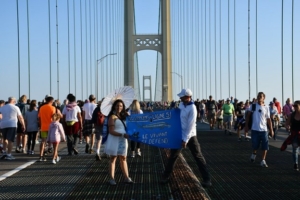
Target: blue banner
161 129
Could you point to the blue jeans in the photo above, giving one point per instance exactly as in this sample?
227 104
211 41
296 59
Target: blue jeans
258 137
295 150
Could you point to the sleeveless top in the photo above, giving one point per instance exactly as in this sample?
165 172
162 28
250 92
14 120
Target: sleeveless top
295 124
116 145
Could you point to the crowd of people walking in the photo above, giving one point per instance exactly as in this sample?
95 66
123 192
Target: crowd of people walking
76 122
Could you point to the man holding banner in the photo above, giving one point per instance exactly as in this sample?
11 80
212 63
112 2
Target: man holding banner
188 117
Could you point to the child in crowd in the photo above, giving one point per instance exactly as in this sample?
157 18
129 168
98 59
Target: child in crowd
56 134
219 119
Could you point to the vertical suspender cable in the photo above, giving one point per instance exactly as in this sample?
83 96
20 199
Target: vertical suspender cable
86 51
256 50
19 63
216 51
95 50
28 46
282 51
292 51
75 77
97 54
50 61
91 73
198 45
106 44
81 63
249 86
57 61
234 54
202 50
220 51
69 66
205 49
228 49
209 29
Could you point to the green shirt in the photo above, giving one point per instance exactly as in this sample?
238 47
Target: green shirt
228 109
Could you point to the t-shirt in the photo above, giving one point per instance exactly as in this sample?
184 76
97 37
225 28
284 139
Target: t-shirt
71 115
88 109
45 114
10 115
31 118
211 106
228 109
260 116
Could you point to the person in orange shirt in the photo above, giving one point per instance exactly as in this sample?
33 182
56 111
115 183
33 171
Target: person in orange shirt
45 118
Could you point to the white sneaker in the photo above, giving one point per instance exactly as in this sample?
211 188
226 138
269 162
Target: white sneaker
252 158
58 158
53 161
263 163
139 153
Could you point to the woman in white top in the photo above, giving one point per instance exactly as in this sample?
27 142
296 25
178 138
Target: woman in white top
116 144
73 123
135 109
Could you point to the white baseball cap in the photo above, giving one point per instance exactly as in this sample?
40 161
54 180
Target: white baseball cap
185 92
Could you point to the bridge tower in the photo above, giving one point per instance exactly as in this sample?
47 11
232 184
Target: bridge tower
160 43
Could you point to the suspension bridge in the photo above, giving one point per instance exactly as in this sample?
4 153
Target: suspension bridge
220 48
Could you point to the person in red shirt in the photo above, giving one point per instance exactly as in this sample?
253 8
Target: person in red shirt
277 104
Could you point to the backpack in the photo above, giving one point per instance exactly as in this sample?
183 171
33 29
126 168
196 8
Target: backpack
100 118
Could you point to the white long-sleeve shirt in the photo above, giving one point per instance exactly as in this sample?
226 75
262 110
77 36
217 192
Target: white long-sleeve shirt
188 118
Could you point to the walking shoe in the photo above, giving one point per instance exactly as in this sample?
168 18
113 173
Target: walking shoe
87 146
128 180
58 158
31 152
45 153
9 157
247 139
296 167
252 158
98 157
80 142
53 161
139 153
112 182
240 139
91 151
3 156
263 163
18 150
28 152
75 151
43 159
206 184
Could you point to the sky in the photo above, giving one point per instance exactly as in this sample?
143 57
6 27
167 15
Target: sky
190 58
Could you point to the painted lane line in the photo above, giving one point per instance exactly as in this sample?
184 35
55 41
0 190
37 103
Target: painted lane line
12 172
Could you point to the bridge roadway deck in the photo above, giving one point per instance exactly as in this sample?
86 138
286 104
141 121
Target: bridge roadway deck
233 176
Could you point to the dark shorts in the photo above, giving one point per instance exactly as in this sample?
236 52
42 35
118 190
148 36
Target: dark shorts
88 128
258 137
19 128
9 133
98 132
